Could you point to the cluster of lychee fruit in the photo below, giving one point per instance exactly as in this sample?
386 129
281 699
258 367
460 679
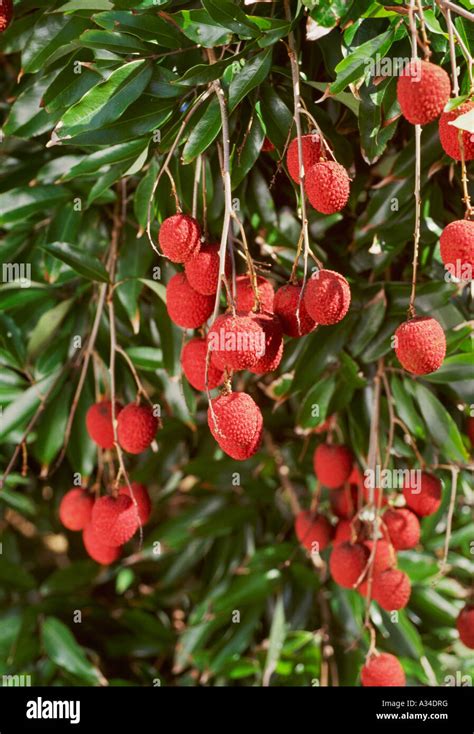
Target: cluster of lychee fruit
136 426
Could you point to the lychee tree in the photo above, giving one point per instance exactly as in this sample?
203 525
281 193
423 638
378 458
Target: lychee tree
237 402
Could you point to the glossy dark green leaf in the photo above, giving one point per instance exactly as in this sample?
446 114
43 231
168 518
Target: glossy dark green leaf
17 204
204 133
313 410
142 25
51 39
252 74
231 16
199 27
88 266
440 425
62 648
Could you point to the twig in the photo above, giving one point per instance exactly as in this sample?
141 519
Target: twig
141 389
197 178
283 473
452 50
449 523
456 9
417 230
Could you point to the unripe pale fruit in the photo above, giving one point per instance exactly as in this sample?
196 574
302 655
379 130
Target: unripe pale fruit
236 342
424 498
6 14
202 270
236 422
186 307
285 306
193 362
179 237
311 146
99 423
420 345
97 549
465 625
314 531
142 498
347 562
449 134
75 509
114 519
332 464
403 528
245 297
327 297
382 670
344 501
343 532
423 90
271 326
327 186
391 589
457 247
136 428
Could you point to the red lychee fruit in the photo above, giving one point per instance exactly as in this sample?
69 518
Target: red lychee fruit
99 423
465 625
75 509
420 345
327 186
136 428
423 90
285 306
470 429
457 247
236 342
271 326
343 532
267 146
424 497
245 297
202 270
186 307
327 297
6 14
344 501
449 135
391 589
332 464
384 558
314 531
142 498
97 549
382 670
179 238
347 562
114 519
236 422
403 528
311 146
193 362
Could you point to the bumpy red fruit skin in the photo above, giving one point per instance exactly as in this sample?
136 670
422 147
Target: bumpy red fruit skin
267 146
423 90
75 509
344 501
193 362
136 428
142 498
285 306
449 135
347 562
457 246
385 557
236 423
311 145
314 531
424 499
420 345
202 270
391 589
179 238
6 14
186 307
383 670
236 342
271 326
99 551
327 186
327 297
99 423
332 464
403 528
245 297
343 532
465 625
114 519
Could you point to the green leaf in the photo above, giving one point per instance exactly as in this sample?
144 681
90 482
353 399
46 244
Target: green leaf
276 640
62 648
252 74
199 27
204 133
51 427
77 575
47 327
88 266
405 408
50 40
243 162
142 25
355 65
17 413
369 323
457 367
69 85
230 16
146 358
441 426
18 204
313 411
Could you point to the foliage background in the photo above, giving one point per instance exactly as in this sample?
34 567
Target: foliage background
168 617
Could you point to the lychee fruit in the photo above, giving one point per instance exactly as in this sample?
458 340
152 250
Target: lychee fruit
424 497
97 549
75 509
344 501
420 345
311 146
271 326
141 497
449 134
332 464
99 423
6 14
193 362
114 519
285 306
245 297
384 558
343 532
465 625
327 186
423 90
327 297
347 562
314 531
391 589
403 528
236 422
267 146
136 428
457 247
382 670
236 342
179 238
186 307
202 270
